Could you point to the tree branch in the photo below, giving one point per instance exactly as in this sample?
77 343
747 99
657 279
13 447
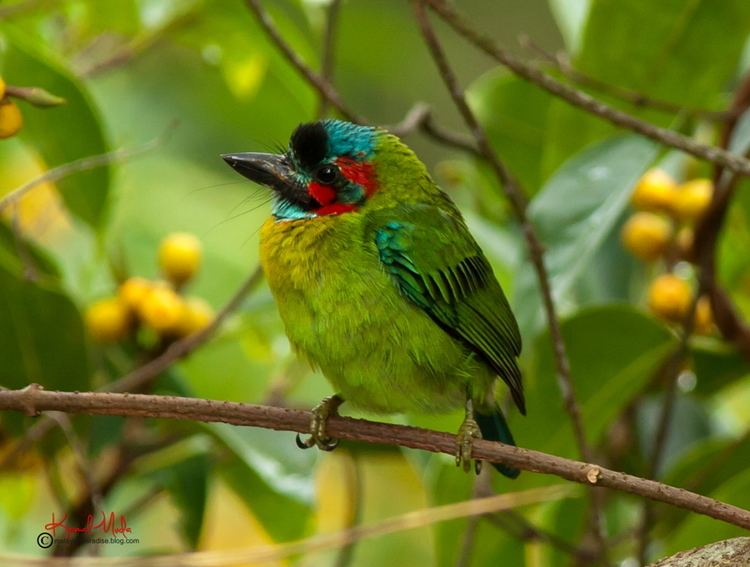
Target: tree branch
83 164
635 98
329 50
34 399
135 380
324 88
575 97
419 118
180 349
518 202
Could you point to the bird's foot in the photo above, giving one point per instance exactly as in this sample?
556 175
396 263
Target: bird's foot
326 408
467 433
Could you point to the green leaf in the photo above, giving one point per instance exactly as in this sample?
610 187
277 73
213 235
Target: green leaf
271 475
187 482
660 48
61 134
716 365
699 530
613 353
574 213
571 16
11 260
683 51
690 423
514 113
704 469
183 469
448 486
41 337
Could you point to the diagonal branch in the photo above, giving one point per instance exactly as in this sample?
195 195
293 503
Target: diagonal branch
138 378
329 51
575 97
324 88
634 98
518 201
418 118
84 164
34 399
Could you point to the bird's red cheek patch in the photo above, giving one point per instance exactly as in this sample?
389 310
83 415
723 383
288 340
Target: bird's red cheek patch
363 174
359 172
323 194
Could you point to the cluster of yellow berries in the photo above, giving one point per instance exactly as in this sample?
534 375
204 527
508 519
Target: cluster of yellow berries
157 305
10 115
662 228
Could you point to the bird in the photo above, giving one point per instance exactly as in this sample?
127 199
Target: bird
380 284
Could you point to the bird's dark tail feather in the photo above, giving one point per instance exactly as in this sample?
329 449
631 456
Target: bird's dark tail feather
494 428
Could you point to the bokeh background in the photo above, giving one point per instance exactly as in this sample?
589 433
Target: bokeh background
201 78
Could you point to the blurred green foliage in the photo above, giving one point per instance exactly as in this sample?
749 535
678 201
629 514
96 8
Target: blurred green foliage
130 68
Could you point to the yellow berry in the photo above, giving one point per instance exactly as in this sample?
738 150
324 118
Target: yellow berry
646 235
704 317
108 320
162 309
133 291
655 191
197 315
669 297
2 88
180 256
10 118
693 198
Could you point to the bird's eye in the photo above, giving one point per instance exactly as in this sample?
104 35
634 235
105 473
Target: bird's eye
327 174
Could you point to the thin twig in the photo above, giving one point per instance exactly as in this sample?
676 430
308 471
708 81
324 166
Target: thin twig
576 97
7 12
518 201
469 539
353 485
706 239
670 372
83 164
520 528
34 399
136 379
322 542
324 88
728 319
635 98
329 51
180 349
419 118
93 490
34 95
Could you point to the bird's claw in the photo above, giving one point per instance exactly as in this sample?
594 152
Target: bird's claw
468 432
320 414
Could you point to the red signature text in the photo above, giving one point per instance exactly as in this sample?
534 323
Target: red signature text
109 523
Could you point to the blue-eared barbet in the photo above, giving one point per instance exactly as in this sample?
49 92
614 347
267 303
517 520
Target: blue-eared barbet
380 284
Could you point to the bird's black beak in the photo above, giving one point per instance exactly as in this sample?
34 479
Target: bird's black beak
274 171
266 169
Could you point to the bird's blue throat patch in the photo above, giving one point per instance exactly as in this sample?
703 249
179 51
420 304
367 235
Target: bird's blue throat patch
284 210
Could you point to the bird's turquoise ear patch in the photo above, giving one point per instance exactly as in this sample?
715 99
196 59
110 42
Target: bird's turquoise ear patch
347 139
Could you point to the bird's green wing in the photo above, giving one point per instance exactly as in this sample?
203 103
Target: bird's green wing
436 264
